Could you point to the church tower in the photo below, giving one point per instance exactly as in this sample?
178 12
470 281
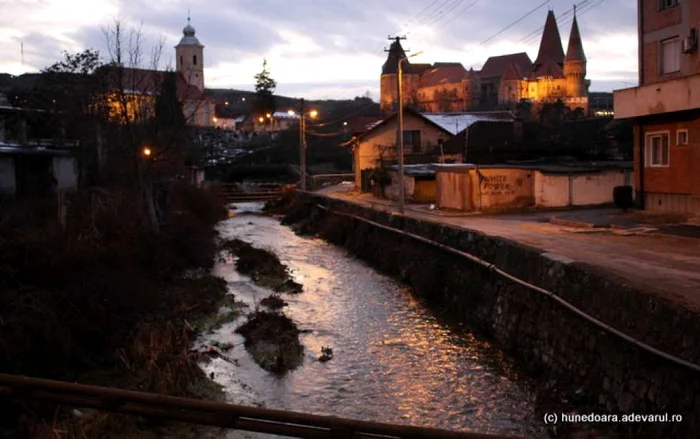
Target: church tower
575 64
189 55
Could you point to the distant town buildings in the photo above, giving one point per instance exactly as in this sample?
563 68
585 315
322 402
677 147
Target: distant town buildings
665 107
502 83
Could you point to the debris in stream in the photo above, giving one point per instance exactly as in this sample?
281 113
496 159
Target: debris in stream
273 341
326 354
273 301
263 266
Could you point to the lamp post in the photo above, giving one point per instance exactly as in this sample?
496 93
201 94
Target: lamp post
399 133
302 142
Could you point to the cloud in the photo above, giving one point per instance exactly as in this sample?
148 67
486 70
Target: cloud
317 44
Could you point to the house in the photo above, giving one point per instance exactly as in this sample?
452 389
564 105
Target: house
425 137
29 166
665 107
502 82
376 147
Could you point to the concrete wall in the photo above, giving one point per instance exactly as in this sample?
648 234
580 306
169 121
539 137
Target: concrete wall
454 190
552 190
595 188
609 374
7 175
392 190
512 188
504 188
65 170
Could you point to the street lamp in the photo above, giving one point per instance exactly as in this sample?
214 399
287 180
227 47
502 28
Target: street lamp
302 142
399 133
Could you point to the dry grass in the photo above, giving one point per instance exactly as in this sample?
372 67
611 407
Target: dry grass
104 301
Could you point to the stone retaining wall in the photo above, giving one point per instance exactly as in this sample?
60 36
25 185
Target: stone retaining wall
614 376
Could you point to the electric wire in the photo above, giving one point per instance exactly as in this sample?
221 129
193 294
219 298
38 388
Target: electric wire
532 11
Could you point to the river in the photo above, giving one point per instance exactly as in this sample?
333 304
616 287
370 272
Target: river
394 359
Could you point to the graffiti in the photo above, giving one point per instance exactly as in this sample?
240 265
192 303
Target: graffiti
496 185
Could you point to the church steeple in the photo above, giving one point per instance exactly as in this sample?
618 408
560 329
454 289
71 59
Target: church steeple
575 50
550 46
189 54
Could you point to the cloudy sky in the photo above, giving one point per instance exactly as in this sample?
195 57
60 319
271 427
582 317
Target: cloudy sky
322 48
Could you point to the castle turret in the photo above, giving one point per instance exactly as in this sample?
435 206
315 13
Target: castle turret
388 85
189 55
575 64
550 46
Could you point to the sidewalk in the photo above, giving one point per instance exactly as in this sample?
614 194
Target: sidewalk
650 260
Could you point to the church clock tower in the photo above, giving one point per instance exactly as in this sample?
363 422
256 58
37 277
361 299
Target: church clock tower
189 55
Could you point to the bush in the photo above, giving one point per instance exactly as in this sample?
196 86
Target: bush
622 195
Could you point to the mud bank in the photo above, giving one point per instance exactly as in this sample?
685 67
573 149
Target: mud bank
606 374
263 266
273 341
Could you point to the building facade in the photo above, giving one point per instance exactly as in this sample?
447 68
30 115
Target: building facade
503 82
665 107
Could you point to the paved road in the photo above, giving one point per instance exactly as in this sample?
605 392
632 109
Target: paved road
666 264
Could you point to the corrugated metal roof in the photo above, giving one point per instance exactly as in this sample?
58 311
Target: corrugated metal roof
456 122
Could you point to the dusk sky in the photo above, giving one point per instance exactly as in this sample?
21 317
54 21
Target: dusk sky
328 49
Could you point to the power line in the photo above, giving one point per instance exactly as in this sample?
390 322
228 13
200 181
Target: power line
460 12
416 17
444 14
538 31
532 11
436 12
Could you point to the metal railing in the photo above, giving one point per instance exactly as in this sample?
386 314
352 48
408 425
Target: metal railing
214 413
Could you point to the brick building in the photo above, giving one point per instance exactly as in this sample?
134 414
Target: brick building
502 82
665 107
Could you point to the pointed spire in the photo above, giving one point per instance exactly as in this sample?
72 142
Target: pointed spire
396 53
575 50
550 46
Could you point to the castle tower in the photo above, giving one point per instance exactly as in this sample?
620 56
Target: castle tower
575 64
388 85
189 55
550 46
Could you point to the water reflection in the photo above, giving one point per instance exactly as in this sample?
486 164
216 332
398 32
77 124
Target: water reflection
394 361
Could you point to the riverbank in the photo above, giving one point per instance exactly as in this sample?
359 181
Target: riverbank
608 375
107 300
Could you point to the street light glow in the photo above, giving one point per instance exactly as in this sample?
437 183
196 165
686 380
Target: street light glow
345 124
291 112
313 113
146 151
260 119
268 115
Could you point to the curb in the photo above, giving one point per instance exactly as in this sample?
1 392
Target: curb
573 223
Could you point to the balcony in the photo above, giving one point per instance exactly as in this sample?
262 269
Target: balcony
662 97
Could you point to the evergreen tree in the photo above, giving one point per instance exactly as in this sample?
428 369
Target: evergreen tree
168 108
264 92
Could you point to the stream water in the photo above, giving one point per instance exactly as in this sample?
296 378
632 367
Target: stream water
394 359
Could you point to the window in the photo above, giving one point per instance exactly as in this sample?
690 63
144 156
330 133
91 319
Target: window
665 4
412 139
670 56
657 149
194 59
681 137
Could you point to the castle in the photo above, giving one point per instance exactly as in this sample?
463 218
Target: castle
502 83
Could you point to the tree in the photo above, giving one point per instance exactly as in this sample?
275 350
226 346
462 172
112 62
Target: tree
168 107
264 92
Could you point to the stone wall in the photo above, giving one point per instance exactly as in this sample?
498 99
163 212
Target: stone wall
610 374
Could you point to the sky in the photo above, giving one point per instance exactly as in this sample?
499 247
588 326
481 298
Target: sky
321 49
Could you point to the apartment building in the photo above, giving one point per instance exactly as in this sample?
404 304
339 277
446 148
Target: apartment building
665 107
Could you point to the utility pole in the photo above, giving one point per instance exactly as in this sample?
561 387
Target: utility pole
399 141
302 147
